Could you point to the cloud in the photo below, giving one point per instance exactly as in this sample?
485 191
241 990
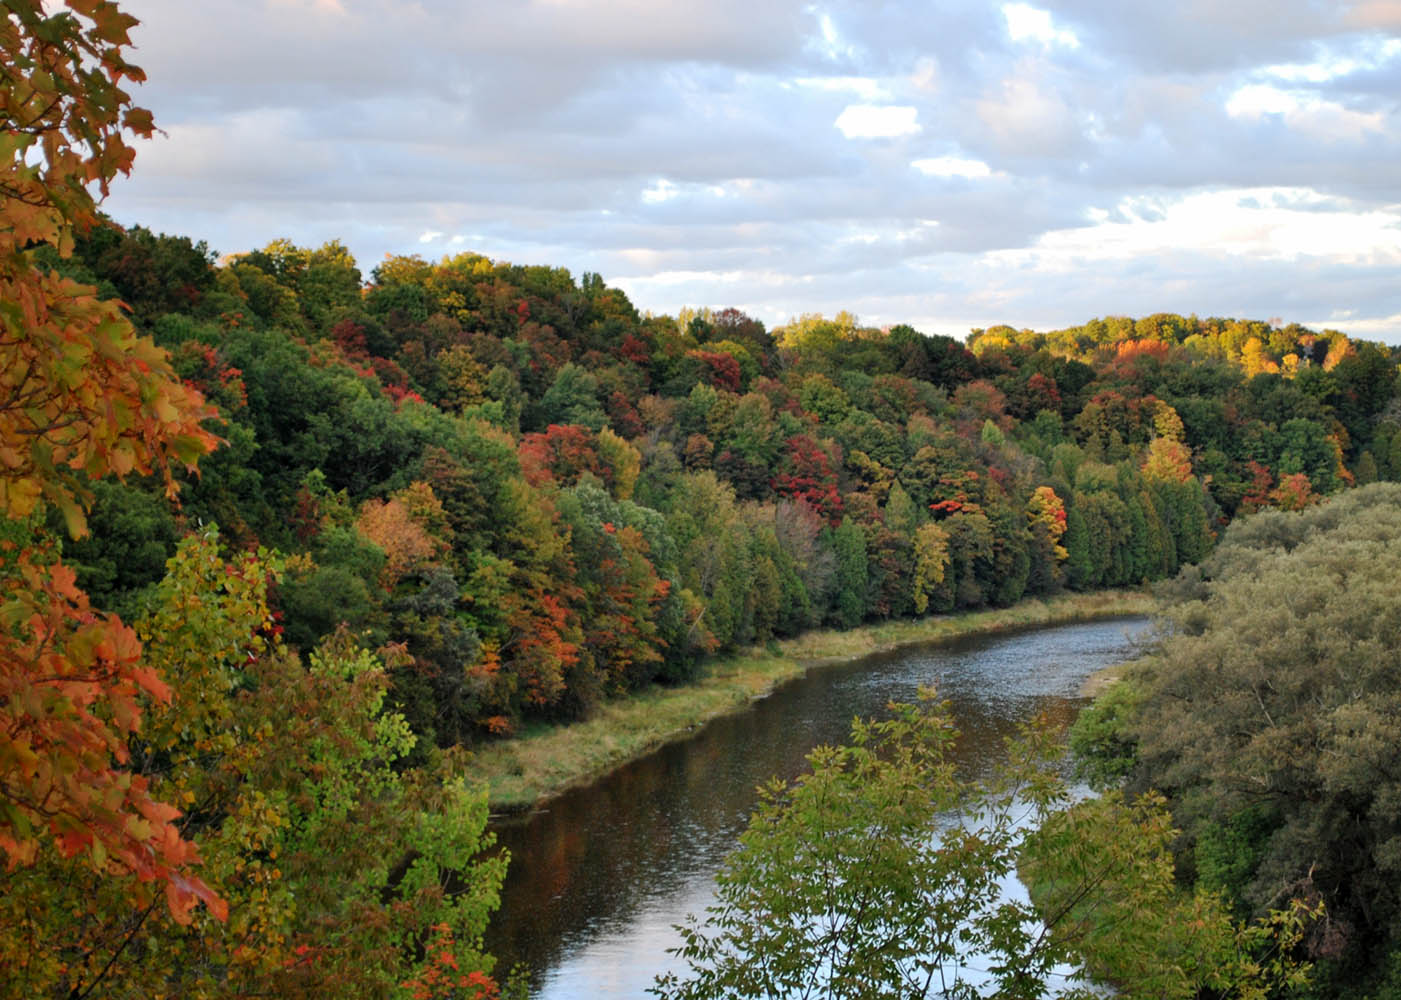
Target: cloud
956 164
1310 115
1258 224
1025 114
1025 22
952 166
333 7
865 87
873 121
662 190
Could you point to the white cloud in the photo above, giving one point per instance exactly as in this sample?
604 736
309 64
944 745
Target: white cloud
925 77
322 6
1280 224
1331 122
1025 22
1027 116
1379 327
430 236
1304 112
864 87
660 191
1369 53
1256 99
829 42
952 166
874 121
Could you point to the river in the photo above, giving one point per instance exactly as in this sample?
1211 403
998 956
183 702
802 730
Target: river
599 877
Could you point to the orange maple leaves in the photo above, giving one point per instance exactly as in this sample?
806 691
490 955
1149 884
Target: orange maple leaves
74 682
81 396
80 392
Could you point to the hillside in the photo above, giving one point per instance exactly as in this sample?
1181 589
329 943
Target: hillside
545 497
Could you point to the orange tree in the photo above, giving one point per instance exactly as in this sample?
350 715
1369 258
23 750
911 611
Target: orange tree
81 397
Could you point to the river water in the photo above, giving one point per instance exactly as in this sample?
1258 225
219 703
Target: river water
600 877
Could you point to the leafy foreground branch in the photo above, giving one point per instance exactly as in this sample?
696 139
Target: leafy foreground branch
341 873
882 873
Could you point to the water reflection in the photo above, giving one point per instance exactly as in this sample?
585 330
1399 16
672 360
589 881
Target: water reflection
598 879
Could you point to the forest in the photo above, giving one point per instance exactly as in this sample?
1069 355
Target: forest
284 541
500 468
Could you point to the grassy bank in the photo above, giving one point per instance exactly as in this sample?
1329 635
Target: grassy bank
544 761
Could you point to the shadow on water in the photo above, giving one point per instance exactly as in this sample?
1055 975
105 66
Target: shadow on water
598 879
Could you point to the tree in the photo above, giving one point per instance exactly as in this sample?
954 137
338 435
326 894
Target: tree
73 683
401 533
80 392
849 545
1045 512
81 395
338 864
1167 460
1270 718
1079 567
931 560
901 514
572 398
806 474
853 881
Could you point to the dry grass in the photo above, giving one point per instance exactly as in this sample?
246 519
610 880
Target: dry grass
544 761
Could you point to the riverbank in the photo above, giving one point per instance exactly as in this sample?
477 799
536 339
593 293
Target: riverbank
545 761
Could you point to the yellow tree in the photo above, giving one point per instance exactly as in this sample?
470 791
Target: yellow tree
1167 461
1045 512
931 562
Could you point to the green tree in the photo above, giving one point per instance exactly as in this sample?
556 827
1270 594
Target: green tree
901 514
849 544
1077 547
1269 717
572 398
853 882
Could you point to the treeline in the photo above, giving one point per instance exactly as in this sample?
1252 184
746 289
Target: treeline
1270 716
546 498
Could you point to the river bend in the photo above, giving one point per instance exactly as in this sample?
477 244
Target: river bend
599 878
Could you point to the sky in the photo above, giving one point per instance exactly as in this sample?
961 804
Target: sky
950 164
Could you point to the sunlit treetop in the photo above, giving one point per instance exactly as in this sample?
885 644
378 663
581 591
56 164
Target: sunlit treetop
63 112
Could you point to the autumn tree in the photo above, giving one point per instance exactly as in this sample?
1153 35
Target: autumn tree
401 533
80 392
806 474
1046 514
81 396
338 865
931 553
1167 460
